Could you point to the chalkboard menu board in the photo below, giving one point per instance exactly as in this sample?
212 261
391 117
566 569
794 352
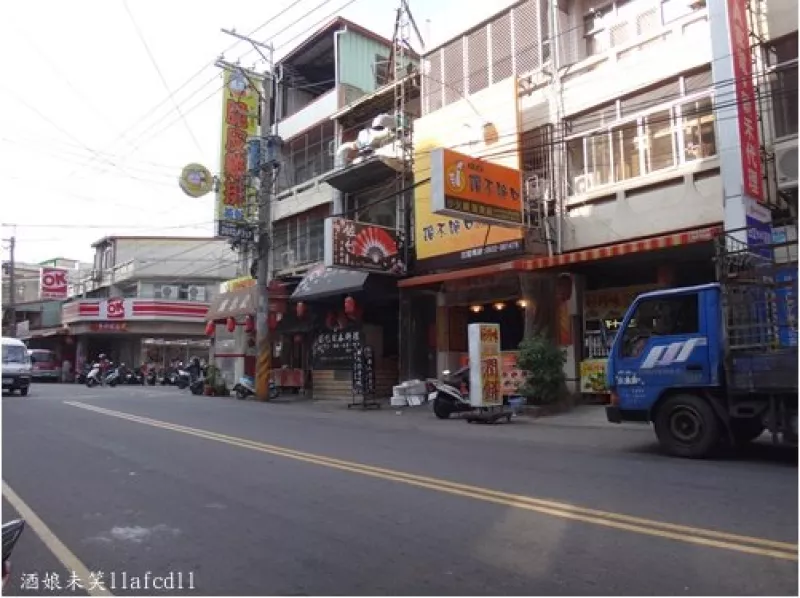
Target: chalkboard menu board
334 350
364 371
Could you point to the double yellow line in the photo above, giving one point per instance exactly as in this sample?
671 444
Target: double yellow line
639 525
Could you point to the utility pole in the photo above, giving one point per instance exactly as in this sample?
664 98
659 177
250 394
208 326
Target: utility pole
270 165
12 291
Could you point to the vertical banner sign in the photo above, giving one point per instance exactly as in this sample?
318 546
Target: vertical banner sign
53 283
240 122
752 170
485 388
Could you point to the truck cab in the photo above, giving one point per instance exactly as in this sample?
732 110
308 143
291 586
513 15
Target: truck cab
676 363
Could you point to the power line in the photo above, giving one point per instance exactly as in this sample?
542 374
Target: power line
160 74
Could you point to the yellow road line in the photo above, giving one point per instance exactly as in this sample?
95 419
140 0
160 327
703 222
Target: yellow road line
682 533
65 556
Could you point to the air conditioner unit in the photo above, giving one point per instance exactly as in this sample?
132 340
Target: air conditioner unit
535 187
583 183
786 164
165 291
196 292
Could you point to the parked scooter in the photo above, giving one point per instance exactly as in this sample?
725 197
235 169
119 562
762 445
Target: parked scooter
246 387
93 378
115 375
446 394
11 533
80 377
152 377
182 378
133 377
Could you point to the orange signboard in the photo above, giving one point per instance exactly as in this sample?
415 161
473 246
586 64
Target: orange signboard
469 187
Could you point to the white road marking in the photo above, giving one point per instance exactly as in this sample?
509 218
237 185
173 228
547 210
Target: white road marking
67 558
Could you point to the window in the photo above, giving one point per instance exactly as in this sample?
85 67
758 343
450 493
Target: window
699 140
627 161
784 85
594 32
598 157
381 70
618 142
663 316
575 163
14 354
660 147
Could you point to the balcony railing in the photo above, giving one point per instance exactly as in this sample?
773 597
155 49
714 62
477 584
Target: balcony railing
318 110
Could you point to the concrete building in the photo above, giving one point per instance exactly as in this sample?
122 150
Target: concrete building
616 129
146 298
35 316
332 87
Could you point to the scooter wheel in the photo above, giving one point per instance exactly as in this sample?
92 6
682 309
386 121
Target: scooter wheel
240 394
441 409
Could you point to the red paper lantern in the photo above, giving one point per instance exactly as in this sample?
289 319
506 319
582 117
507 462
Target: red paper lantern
272 320
300 310
210 329
349 305
249 324
564 287
231 324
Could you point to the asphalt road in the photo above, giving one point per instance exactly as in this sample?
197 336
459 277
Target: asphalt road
306 499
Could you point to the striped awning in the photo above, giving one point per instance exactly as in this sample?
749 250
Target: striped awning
699 235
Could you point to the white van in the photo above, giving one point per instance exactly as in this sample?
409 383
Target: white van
16 366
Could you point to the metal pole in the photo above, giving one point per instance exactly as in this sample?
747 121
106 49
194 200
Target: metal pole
12 294
269 171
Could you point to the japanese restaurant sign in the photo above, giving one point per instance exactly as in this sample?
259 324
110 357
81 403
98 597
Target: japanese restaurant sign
361 246
333 350
485 389
240 122
752 169
469 187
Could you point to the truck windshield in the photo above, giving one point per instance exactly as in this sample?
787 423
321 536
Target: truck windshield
12 354
660 316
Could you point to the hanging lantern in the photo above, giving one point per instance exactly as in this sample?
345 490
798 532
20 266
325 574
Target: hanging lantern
231 324
349 305
272 320
300 310
298 339
249 324
564 287
210 328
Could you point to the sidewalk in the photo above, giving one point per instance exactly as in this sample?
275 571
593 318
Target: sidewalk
581 416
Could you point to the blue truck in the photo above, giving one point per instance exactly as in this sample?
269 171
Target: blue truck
715 363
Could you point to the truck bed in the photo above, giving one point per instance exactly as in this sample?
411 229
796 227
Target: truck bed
763 372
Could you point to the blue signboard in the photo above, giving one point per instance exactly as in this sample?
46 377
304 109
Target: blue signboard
786 305
759 237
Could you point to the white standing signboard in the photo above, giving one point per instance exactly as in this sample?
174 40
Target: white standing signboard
484 365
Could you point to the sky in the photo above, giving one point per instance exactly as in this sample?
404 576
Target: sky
95 125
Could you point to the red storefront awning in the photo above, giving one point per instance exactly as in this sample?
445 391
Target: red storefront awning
699 235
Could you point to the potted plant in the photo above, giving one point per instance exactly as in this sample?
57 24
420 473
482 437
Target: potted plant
213 375
543 363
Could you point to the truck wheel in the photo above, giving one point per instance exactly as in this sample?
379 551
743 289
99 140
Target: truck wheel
746 430
686 426
23 391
